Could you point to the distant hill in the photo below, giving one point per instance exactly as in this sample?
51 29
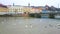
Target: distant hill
52 8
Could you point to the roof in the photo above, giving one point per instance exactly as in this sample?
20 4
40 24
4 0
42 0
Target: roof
4 6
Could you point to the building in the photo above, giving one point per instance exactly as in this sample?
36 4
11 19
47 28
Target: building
36 9
18 9
3 9
15 9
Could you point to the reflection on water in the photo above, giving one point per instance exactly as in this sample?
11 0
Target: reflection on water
22 25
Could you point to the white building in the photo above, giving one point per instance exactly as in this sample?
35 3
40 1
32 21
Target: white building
15 9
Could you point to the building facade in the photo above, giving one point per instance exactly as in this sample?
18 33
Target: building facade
3 9
17 9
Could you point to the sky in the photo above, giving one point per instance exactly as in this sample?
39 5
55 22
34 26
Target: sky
55 3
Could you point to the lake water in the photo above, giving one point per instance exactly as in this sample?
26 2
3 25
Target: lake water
25 25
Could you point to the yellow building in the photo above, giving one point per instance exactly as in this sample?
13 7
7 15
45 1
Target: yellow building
3 10
26 9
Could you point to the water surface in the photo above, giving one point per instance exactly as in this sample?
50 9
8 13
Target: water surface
23 25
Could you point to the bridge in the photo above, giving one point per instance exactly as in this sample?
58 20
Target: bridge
50 14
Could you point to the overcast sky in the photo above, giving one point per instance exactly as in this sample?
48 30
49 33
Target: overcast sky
32 2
